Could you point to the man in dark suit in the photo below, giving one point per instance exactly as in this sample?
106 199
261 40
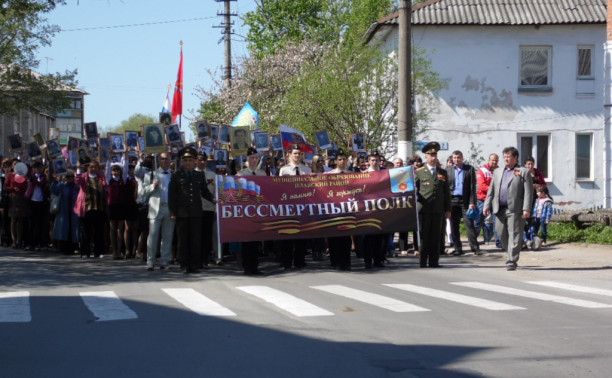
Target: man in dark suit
433 197
462 184
187 187
509 198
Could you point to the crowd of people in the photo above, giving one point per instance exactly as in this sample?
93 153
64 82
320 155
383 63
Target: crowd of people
163 211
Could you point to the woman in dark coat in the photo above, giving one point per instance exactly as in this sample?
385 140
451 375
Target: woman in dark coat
66 226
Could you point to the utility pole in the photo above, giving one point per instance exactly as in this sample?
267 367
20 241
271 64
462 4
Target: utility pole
227 24
404 115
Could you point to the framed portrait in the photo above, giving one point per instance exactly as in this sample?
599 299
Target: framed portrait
73 143
72 158
40 140
358 142
276 142
94 153
173 134
34 151
240 140
53 148
224 134
203 130
255 132
214 132
323 140
83 155
93 142
308 156
221 158
104 142
117 143
59 166
262 143
115 158
15 143
154 138
91 130
141 143
104 154
83 143
131 140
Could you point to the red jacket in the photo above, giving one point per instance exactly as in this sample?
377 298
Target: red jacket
483 180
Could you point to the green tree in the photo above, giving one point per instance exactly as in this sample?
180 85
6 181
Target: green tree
134 123
23 29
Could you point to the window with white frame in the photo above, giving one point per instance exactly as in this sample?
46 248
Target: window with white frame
585 56
536 62
538 147
584 147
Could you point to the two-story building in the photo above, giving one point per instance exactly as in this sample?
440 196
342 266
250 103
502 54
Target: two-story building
526 73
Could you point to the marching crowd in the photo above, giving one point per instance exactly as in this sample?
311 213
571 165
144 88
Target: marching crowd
163 211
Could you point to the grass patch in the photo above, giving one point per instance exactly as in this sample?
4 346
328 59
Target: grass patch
567 232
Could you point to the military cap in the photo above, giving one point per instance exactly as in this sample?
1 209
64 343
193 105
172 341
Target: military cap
202 154
431 147
251 151
188 152
295 147
340 153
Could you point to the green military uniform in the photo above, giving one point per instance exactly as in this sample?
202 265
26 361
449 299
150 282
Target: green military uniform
433 202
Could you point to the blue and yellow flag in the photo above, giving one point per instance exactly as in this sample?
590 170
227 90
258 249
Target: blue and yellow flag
248 116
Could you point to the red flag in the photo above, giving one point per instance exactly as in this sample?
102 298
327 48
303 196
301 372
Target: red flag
177 101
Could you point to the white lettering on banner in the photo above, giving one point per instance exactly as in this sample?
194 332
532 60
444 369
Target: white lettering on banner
327 208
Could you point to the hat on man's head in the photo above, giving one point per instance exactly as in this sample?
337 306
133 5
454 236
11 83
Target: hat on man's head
431 147
251 151
202 154
295 147
188 152
340 153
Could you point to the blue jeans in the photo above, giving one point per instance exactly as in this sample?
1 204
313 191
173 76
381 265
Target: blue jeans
489 228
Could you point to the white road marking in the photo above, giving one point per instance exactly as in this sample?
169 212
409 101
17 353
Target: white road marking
533 295
370 298
581 289
464 299
198 303
284 301
106 306
15 307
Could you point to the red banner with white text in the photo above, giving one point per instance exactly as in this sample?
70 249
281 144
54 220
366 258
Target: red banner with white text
254 208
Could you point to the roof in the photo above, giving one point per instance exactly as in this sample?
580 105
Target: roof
501 12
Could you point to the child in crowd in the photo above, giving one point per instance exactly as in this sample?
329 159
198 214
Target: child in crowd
542 211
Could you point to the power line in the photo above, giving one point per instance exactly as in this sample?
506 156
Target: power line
136 25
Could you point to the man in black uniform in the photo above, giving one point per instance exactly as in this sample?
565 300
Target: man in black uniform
434 205
187 186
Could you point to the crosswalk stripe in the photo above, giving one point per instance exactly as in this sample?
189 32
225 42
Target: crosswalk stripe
581 289
284 301
464 299
106 306
370 298
533 294
198 303
15 307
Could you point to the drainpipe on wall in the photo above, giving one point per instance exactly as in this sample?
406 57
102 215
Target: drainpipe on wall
607 147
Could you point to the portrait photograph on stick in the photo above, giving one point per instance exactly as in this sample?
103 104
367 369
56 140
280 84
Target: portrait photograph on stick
214 132
15 143
59 166
83 155
34 151
173 134
154 138
323 140
224 134
358 142
53 148
91 130
131 140
38 137
117 143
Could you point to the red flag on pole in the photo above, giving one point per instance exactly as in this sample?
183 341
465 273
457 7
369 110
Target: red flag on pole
177 101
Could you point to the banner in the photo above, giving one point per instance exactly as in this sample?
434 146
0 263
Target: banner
254 208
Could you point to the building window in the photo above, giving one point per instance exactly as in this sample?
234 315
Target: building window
538 147
584 144
536 68
585 55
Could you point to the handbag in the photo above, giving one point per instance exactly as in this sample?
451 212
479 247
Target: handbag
55 204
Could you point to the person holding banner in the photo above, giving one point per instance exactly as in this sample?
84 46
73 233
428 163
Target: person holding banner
340 246
434 204
187 187
250 250
294 251
373 244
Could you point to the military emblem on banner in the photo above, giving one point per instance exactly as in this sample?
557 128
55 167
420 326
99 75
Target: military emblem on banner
402 179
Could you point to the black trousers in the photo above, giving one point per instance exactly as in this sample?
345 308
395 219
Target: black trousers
189 242
39 223
208 219
250 256
340 251
92 231
431 232
373 248
458 214
293 252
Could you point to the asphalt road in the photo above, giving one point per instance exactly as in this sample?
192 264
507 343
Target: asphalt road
66 317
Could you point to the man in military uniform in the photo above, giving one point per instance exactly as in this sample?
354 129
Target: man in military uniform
250 250
187 187
434 203
209 215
